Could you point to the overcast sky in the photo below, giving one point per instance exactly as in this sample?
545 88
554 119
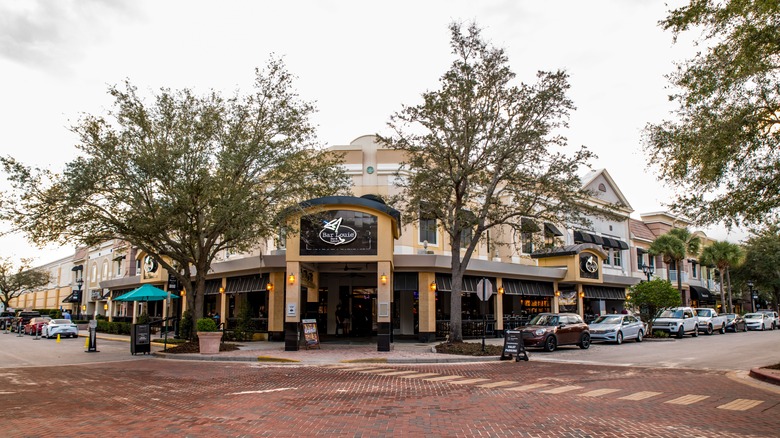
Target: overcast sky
358 60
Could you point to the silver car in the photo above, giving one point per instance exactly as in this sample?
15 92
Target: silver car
758 321
617 328
62 327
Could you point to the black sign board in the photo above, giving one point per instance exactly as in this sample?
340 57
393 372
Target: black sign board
173 283
140 341
339 232
311 337
513 345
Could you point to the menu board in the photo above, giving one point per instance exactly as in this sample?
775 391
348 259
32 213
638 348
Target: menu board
310 336
513 345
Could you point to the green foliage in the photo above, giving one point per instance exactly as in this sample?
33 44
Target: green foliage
114 328
762 259
652 296
660 334
206 325
721 149
14 279
243 330
480 140
180 175
185 325
675 245
143 318
724 255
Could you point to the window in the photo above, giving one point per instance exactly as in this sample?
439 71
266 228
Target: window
527 242
617 257
428 230
119 267
465 237
693 269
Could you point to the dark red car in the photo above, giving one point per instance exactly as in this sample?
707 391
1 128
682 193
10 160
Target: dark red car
36 325
549 330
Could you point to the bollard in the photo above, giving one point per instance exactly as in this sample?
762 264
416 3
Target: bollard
86 342
19 330
37 335
58 338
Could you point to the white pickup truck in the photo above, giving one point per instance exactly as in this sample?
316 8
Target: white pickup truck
709 321
677 321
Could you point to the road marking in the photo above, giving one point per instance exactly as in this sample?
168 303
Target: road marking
561 389
598 392
419 375
687 399
262 391
497 384
443 378
378 370
396 373
528 387
357 368
467 381
741 404
641 395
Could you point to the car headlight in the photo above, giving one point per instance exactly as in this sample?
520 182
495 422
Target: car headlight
539 332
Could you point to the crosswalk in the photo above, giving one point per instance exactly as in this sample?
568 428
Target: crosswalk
544 388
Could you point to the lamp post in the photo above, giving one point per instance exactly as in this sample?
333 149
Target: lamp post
79 283
648 270
753 295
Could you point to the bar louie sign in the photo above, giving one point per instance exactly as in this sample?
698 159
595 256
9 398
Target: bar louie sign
339 232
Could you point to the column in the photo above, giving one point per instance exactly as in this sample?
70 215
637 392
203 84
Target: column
384 281
292 306
223 302
426 311
499 306
276 306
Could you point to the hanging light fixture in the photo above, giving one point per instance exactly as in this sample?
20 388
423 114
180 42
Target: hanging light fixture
383 278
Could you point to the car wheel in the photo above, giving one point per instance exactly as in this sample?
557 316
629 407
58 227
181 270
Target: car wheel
550 343
680 333
709 330
695 331
639 336
585 341
619 338
723 329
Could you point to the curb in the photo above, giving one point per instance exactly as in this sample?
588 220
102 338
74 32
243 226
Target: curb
765 375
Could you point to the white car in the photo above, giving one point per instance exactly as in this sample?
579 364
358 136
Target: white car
62 327
758 321
772 316
616 328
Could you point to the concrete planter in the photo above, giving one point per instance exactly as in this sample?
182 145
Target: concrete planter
209 342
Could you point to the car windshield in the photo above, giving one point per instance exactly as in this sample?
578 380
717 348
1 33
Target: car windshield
754 316
542 319
672 314
608 319
703 312
60 321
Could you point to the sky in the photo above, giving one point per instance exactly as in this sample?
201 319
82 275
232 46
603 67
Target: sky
359 61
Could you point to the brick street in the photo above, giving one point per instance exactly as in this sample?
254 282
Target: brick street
191 398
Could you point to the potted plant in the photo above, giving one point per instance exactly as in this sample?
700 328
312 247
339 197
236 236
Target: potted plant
209 337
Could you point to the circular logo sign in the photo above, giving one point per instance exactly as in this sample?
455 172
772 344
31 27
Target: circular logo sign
591 264
150 265
333 233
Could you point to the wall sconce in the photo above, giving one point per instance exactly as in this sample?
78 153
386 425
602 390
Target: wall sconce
628 296
83 307
501 290
105 306
582 294
221 290
269 287
557 293
291 279
383 278
184 292
433 286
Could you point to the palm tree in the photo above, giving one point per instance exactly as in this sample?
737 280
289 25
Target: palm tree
723 255
676 245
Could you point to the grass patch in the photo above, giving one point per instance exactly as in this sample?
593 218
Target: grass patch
170 341
469 349
275 359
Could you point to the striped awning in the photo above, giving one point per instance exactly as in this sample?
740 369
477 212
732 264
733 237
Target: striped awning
608 242
407 281
444 283
604 293
528 288
246 283
552 229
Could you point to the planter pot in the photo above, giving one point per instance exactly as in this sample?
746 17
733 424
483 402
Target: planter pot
209 342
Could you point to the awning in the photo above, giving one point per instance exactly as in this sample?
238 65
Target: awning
529 226
444 283
528 288
702 294
552 229
74 297
212 287
609 242
407 281
604 293
246 283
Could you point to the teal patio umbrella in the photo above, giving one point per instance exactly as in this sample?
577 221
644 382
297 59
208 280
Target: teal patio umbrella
146 292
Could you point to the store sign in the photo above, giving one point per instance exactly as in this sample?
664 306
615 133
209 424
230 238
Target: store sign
589 266
339 232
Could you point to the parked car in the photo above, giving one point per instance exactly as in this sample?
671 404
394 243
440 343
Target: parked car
63 327
710 321
550 330
758 321
23 317
677 321
6 318
35 326
617 328
735 323
773 316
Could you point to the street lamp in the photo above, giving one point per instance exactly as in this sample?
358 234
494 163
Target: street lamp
79 283
648 270
753 295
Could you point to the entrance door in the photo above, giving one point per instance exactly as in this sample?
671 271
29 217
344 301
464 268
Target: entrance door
363 312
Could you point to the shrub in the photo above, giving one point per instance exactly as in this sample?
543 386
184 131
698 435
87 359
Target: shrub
206 325
660 334
185 327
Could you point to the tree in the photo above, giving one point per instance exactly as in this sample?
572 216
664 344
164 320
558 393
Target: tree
762 262
676 245
721 151
724 256
481 153
651 297
16 279
182 178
